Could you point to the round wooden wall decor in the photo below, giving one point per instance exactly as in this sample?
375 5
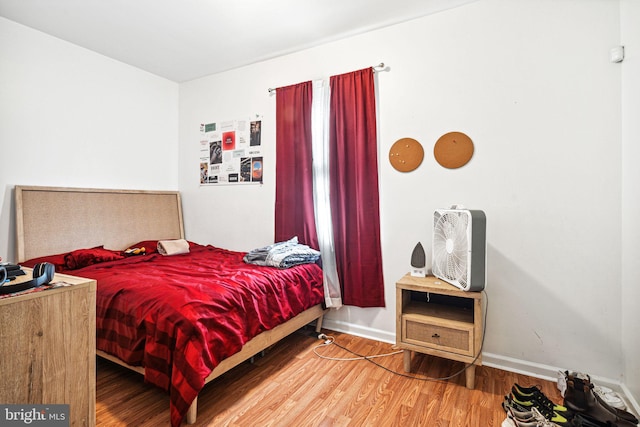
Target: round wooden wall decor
453 150
406 154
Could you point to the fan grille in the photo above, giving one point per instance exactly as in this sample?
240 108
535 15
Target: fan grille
451 245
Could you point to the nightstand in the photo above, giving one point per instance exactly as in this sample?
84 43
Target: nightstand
436 318
47 347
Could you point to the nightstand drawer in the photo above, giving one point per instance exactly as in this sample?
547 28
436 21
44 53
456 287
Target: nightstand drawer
454 338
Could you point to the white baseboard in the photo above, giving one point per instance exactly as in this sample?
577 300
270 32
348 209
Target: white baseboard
359 331
632 404
518 366
532 369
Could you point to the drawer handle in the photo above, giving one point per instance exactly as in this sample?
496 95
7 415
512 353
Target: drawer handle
435 336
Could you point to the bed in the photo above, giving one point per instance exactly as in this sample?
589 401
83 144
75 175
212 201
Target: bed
180 320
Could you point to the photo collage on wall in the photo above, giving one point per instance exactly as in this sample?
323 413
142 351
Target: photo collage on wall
231 152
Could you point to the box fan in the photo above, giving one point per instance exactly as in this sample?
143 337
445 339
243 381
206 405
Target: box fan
459 247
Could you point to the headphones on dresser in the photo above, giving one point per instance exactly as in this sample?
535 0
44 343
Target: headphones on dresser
42 275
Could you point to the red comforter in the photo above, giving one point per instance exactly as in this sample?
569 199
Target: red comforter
180 316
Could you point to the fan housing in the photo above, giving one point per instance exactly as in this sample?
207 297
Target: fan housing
459 247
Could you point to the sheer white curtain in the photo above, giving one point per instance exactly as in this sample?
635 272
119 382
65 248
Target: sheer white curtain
322 206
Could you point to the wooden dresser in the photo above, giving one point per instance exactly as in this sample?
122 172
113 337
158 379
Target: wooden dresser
47 348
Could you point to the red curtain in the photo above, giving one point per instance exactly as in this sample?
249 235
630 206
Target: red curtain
354 188
294 173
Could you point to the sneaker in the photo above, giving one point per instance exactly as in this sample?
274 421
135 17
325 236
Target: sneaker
534 393
538 421
516 411
515 414
522 404
562 382
610 397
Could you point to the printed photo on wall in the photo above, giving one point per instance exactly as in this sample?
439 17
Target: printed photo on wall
229 141
215 152
204 173
231 152
256 169
245 169
255 133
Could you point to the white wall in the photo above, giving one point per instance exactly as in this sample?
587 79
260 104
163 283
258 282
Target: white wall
530 82
630 14
71 117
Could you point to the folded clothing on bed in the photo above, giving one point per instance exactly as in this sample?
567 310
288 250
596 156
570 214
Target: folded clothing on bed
283 254
173 247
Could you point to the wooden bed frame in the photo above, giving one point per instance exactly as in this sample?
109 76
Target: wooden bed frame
52 220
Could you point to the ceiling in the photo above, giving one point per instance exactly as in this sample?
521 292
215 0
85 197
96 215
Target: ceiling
183 40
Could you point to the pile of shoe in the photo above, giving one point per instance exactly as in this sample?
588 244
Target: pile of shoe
582 397
529 407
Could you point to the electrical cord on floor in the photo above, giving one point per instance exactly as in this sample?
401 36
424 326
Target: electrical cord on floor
329 340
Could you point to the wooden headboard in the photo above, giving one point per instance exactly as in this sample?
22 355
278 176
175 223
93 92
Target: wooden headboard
53 220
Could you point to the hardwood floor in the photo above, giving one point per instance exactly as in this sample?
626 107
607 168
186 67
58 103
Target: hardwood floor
291 386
